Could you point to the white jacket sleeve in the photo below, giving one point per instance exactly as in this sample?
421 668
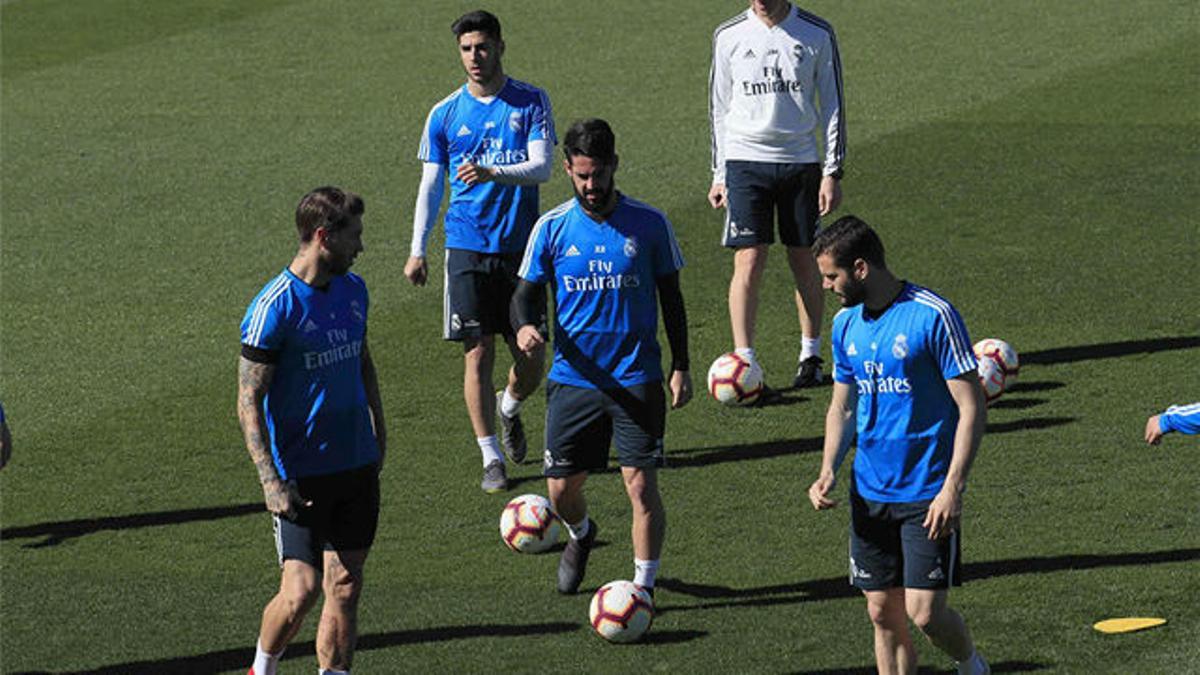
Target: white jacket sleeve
429 200
532 171
720 89
831 120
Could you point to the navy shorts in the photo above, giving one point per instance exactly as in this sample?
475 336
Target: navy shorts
582 422
478 293
757 192
890 548
343 516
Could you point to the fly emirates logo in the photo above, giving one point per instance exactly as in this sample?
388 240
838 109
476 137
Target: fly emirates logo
600 277
491 152
876 383
341 351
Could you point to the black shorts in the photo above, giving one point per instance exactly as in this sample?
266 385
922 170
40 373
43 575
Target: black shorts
478 293
890 548
343 516
581 422
758 191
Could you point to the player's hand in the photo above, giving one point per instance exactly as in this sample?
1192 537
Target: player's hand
529 339
284 499
944 513
416 270
829 197
717 195
681 388
472 174
818 492
1154 432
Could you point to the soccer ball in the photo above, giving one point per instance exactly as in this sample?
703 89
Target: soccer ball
1004 355
528 524
991 376
735 380
621 611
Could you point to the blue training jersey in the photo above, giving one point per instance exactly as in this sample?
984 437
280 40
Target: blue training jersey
899 363
604 276
488 217
1182 418
316 407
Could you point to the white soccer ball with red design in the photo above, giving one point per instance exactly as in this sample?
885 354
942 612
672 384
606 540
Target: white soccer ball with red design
1005 356
528 524
621 611
735 380
991 376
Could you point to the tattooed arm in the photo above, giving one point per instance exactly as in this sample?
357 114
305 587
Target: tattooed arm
374 402
253 381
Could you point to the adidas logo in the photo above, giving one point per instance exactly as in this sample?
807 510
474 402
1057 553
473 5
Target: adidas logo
749 54
464 131
936 574
571 252
852 350
310 326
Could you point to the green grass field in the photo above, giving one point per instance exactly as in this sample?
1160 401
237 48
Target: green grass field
1035 162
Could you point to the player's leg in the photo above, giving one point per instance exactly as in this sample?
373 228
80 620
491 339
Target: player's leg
351 532
523 379
299 589
876 568
577 437
749 229
931 567
894 651
338 630
298 547
798 213
465 296
639 420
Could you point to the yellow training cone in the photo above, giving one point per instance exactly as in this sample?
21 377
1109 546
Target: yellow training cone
1127 625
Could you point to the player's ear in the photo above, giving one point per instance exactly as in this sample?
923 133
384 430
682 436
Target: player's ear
321 235
860 269
567 164
616 160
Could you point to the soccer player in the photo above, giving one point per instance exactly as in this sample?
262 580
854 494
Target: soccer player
5 440
1182 418
774 90
309 406
904 380
612 260
494 137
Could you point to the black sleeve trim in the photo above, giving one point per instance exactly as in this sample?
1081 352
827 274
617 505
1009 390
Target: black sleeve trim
259 355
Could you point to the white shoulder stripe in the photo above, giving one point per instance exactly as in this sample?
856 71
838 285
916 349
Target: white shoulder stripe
537 230
1185 410
423 149
262 308
959 343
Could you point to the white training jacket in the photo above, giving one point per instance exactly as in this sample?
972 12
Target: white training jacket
773 89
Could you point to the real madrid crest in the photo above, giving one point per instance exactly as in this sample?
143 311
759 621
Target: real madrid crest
900 346
631 247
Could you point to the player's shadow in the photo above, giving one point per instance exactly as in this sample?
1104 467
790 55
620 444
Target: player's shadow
236 659
57 532
717 454
1027 424
1108 350
714 596
1017 403
998 667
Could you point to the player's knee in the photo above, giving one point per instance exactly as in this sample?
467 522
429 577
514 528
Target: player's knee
880 614
343 589
300 595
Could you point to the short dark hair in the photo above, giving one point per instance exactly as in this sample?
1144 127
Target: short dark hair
329 207
591 137
848 239
480 20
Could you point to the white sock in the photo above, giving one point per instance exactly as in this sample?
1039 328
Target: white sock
490 448
974 665
746 353
810 346
579 530
331 671
644 572
509 405
264 663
